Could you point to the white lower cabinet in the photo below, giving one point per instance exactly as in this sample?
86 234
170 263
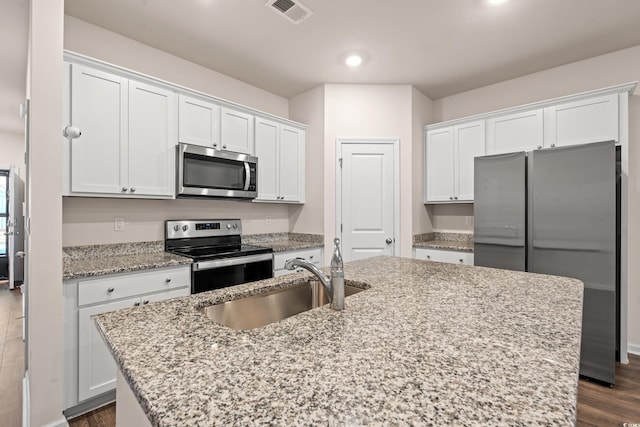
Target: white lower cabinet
440 255
95 369
313 255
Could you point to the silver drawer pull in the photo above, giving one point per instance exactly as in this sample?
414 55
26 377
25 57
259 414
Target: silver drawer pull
145 301
461 261
310 256
137 303
110 289
167 280
428 256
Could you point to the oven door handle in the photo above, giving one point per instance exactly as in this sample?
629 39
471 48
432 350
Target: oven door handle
226 262
247 176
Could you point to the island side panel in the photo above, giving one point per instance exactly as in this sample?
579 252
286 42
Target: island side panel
128 411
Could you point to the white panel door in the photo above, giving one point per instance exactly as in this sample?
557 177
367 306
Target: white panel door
582 122
515 132
291 157
152 140
236 131
439 161
199 122
267 144
469 143
15 226
367 200
99 109
96 368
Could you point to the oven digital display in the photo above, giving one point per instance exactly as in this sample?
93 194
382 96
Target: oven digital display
208 226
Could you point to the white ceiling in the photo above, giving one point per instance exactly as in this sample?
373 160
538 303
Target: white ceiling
440 46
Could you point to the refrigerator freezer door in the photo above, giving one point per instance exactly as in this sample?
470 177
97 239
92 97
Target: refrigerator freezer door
499 211
573 233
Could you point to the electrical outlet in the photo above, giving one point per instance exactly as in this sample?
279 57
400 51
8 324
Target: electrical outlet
268 221
118 224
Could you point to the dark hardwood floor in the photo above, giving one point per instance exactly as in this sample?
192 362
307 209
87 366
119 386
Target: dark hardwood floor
597 405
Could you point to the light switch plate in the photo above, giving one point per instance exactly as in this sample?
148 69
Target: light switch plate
118 224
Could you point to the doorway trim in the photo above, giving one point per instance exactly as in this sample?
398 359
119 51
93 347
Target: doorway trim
396 184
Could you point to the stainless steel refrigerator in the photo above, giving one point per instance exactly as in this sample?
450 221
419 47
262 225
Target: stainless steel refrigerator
554 211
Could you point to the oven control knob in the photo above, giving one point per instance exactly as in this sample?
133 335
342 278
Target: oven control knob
228 226
185 227
176 227
235 226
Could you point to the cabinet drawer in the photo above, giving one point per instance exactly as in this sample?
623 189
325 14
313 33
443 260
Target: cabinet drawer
312 255
452 257
115 287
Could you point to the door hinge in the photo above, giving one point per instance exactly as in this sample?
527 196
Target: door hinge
340 161
341 228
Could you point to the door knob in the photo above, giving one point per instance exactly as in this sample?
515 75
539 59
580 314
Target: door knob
20 254
389 241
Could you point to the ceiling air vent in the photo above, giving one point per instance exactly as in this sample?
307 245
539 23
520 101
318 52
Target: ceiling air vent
294 11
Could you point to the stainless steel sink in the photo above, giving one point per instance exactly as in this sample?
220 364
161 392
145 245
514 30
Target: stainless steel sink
259 310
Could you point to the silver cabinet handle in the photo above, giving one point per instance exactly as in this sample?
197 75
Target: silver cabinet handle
133 189
215 145
455 197
389 240
167 280
553 145
137 303
224 146
110 289
461 262
310 256
539 147
145 302
124 189
428 256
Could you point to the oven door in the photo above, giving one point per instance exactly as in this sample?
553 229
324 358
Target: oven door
207 172
221 273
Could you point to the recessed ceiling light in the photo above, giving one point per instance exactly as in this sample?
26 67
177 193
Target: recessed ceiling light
496 2
353 60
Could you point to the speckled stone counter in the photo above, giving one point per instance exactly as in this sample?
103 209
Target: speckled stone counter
462 242
284 242
428 344
96 260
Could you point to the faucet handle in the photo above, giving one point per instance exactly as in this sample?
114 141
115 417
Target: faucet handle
336 260
336 242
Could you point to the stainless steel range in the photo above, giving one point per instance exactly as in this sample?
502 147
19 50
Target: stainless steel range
219 257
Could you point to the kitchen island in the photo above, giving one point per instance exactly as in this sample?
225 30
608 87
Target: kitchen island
427 344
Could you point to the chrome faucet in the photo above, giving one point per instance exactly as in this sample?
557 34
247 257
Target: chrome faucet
334 284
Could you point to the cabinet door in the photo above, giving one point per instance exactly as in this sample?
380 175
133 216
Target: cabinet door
469 143
152 140
439 162
582 122
267 144
96 368
236 131
291 164
515 132
99 110
199 122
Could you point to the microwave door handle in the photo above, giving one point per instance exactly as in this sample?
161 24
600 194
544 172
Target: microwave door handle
247 176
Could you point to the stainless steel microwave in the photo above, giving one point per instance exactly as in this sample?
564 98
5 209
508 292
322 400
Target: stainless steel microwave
205 172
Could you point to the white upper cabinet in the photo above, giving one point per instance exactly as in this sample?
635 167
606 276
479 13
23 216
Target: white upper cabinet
469 142
449 160
128 136
98 156
580 122
515 132
152 136
440 169
280 150
236 131
198 122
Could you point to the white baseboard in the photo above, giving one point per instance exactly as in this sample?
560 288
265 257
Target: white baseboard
633 349
25 399
62 422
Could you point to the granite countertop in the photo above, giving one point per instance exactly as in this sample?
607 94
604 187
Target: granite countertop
285 242
96 260
451 241
429 343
